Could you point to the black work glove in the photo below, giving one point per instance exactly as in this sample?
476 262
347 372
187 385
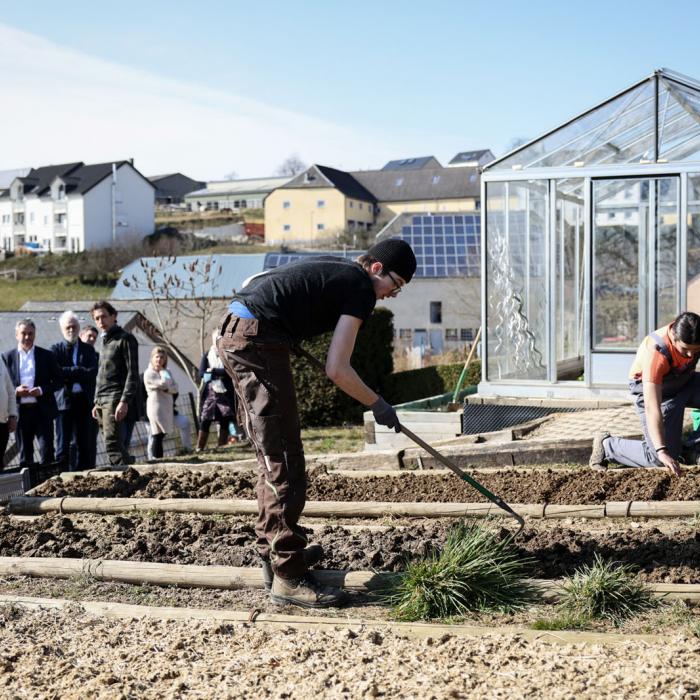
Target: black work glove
385 414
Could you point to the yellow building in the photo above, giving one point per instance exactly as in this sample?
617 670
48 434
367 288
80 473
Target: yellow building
317 206
322 204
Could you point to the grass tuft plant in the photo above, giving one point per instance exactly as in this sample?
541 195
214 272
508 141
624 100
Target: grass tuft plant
476 570
606 590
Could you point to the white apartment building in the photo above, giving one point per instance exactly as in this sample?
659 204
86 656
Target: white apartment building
74 207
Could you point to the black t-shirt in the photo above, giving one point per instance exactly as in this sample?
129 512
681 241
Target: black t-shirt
307 297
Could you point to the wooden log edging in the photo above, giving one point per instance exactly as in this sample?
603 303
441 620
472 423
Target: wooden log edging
239 578
416 630
354 509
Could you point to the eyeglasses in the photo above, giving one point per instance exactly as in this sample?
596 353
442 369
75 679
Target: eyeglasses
397 287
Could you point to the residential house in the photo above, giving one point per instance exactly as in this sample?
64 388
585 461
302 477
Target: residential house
317 205
172 188
74 207
235 195
413 163
472 159
320 204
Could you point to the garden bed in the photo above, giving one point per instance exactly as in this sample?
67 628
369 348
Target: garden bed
570 487
664 554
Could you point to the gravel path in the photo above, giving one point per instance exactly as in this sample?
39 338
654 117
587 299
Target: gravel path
68 654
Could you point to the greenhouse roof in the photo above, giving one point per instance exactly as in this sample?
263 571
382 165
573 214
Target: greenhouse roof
656 120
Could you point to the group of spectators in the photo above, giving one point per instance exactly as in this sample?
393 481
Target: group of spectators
64 394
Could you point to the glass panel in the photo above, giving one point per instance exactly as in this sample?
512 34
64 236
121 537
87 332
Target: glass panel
679 122
620 131
693 247
620 229
667 301
569 276
516 221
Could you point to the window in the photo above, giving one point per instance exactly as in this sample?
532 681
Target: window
61 193
31 218
435 312
59 219
46 220
451 334
351 204
399 181
321 203
351 223
466 334
286 205
286 227
405 333
320 227
359 205
436 179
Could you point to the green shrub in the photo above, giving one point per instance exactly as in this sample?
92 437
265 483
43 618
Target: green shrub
320 401
475 570
606 590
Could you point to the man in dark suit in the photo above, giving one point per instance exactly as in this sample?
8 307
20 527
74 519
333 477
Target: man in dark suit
78 362
35 375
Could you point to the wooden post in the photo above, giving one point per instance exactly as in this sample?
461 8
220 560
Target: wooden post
32 505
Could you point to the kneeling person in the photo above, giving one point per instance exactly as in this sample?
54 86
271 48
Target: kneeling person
663 382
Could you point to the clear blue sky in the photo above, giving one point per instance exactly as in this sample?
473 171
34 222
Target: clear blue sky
443 75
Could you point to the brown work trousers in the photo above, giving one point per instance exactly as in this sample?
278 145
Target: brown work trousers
258 361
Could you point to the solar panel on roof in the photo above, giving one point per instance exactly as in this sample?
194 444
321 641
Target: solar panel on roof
446 245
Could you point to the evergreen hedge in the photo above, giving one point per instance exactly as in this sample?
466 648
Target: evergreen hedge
322 403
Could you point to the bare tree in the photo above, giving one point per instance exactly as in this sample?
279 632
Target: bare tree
183 290
516 142
291 166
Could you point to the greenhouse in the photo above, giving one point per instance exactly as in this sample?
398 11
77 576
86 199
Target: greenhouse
591 241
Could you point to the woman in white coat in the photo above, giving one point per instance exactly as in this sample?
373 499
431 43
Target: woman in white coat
160 388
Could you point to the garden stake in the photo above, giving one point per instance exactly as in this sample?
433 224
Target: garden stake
299 351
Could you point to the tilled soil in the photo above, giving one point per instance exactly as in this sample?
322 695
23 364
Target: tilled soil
69 654
536 486
670 555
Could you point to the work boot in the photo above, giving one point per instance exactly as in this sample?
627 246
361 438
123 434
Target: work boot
598 461
312 555
306 592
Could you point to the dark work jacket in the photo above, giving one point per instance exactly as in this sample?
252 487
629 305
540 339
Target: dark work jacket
84 373
118 369
47 376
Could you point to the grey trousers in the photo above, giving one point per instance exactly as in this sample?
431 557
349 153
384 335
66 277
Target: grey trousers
674 401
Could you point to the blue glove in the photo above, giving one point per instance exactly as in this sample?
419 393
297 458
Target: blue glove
385 414
207 376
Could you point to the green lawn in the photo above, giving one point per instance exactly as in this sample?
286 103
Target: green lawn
316 441
14 294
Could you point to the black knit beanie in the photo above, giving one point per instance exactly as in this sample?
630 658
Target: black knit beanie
396 256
